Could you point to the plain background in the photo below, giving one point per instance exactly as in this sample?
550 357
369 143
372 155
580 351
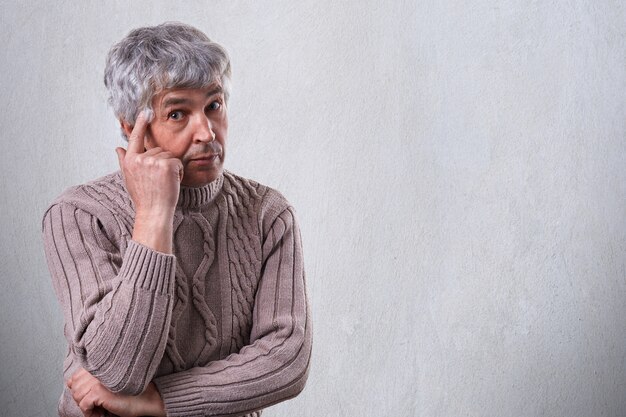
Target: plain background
458 168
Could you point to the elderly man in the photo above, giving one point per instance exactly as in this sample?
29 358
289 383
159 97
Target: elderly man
182 284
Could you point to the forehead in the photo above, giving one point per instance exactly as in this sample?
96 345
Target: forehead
175 95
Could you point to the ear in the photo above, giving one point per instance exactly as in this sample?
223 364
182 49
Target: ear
127 128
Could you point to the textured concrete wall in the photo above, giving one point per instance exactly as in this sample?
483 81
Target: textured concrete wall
459 170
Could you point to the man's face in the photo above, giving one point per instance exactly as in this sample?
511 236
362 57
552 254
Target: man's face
192 124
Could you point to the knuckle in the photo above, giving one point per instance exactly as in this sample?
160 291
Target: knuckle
139 160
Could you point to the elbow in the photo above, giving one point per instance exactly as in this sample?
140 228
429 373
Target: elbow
304 358
119 380
290 370
300 382
295 386
302 366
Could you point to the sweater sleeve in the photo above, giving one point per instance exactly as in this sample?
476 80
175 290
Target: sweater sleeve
274 366
116 307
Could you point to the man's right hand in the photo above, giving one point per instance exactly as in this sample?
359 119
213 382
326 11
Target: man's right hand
93 398
152 179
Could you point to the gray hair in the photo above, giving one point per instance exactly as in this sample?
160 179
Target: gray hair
151 59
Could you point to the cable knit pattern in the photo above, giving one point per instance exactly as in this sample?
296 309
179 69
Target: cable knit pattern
244 254
221 327
199 290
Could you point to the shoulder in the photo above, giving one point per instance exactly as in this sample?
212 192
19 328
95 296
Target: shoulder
104 198
264 202
266 199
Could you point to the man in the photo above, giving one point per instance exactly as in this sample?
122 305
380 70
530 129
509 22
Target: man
181 284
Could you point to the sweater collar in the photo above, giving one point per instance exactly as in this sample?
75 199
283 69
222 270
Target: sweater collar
191 197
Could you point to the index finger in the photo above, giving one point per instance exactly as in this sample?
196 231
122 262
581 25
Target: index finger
135 141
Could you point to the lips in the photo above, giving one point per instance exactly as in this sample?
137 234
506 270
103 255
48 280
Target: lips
209 157
208 160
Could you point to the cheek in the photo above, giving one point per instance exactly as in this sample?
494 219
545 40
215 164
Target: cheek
173 142
223 128
177 149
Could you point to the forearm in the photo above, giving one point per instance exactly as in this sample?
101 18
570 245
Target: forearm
116 317
123 343
262 376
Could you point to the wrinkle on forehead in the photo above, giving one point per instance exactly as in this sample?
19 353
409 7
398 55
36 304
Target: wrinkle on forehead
174 96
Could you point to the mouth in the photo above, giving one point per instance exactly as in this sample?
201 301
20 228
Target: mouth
206 159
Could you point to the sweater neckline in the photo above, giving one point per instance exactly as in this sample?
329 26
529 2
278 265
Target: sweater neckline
192 197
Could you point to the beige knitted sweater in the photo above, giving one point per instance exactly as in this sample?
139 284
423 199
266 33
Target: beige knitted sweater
221 327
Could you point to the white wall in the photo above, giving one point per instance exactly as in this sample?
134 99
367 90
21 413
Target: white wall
459 170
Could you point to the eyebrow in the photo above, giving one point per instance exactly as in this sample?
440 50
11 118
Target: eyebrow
173 101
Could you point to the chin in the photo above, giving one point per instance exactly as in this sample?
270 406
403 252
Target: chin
200 179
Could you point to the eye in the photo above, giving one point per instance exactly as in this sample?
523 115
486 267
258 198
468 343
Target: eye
214 106
176 115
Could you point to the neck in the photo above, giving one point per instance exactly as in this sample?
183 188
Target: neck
190 197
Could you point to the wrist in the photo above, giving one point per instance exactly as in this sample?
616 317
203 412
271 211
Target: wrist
155 214
154 232
154 402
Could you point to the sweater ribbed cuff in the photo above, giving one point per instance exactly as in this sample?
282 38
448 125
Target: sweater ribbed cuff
148 269
178 393
184 395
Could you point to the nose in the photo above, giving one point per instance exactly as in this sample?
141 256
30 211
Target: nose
203 131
